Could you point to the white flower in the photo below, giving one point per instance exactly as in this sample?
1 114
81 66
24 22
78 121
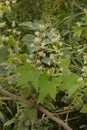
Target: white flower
32 45
31 56
49 63
44 54
13 1
54 61
60 43
43 35
13 23
14 31
85 59
54 47
40 68
78 24
37 33
54 39
9 30
1 45
7 2
18 32
9 8
60 53
42 26
84 69
80 79
85 10
28 60
4 38
0 5
52 30
42 44
37 40
48 72
52 56
38 62
2 24
40 53
1 13
58 36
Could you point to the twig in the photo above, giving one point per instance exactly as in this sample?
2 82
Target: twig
67 115
6 98
37 106
64 112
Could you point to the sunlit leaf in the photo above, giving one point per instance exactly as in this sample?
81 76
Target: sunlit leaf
84 109
65 65
70 83
47 86
11 41
28 75
84 18
77 31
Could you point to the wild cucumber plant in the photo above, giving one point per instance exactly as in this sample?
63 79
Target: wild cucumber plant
44 45
41 63
45 55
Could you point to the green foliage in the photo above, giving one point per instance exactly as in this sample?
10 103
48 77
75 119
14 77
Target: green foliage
84 109
28 75
43 57
25 92
30 113
4 54
47 86
70 83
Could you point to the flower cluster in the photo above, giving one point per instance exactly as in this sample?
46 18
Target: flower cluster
44 48
1 12
7 39
84 69
8 2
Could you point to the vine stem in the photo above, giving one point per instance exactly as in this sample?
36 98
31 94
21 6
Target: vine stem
38 107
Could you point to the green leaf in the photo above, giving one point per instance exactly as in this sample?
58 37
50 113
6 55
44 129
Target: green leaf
70 83
35 25
25 92
23 70
9 122
4 54
46 60
22 127
2 70
65 65
84 18
30 25
30 113
77 31
84 109
11 41
47 86
5 9
28 39
2 117
28 75
22 57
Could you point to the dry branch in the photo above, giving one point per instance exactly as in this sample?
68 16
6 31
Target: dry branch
37 106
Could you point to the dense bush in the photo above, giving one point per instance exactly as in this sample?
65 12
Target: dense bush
43 65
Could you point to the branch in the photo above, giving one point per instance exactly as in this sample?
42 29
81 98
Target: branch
37 106
6 98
